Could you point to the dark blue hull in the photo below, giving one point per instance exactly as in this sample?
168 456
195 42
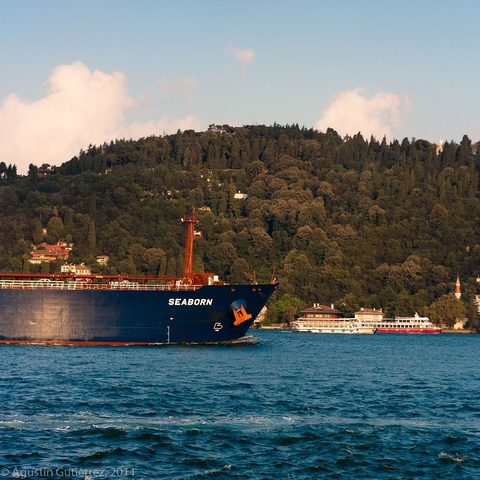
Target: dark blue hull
130 317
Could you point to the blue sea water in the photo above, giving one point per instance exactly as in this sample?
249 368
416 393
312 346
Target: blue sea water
282 405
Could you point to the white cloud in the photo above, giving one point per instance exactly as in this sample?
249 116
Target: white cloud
80 107
183 88
351 112
244 57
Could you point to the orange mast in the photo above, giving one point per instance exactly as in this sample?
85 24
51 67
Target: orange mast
191 236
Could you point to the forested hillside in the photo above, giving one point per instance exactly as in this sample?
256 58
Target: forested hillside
350 221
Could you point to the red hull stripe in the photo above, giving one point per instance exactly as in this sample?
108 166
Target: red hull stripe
406 330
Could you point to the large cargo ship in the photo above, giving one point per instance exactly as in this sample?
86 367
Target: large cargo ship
125 310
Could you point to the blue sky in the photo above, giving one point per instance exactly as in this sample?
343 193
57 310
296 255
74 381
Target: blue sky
79 72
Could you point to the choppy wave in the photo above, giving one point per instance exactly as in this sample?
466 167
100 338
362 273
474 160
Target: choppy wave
286 406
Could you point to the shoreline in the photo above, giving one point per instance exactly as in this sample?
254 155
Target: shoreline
446 331
461 332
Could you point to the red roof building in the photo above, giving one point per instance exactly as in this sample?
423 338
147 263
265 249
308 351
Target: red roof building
49 253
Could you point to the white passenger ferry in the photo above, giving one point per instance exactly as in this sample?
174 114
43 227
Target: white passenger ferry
323 319
373 318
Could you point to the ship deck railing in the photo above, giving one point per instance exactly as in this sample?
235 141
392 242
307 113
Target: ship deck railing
60 285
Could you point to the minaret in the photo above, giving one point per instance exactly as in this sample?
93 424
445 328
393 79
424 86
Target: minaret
439 146
458 293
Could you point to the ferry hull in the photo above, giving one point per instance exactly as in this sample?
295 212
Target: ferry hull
116 317
431 331
354 330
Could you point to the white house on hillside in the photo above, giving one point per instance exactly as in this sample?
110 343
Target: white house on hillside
77 269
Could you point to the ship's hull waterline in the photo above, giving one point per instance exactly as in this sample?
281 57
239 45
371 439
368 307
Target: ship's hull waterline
209 314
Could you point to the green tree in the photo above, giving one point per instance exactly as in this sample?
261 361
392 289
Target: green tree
16 264
348 305
220 259
163 266
126 267
68 221
26 264
472 312
447 310
33 173
137 252
54 230
152 260
37 234
91 237
284 309
172 267
387 301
